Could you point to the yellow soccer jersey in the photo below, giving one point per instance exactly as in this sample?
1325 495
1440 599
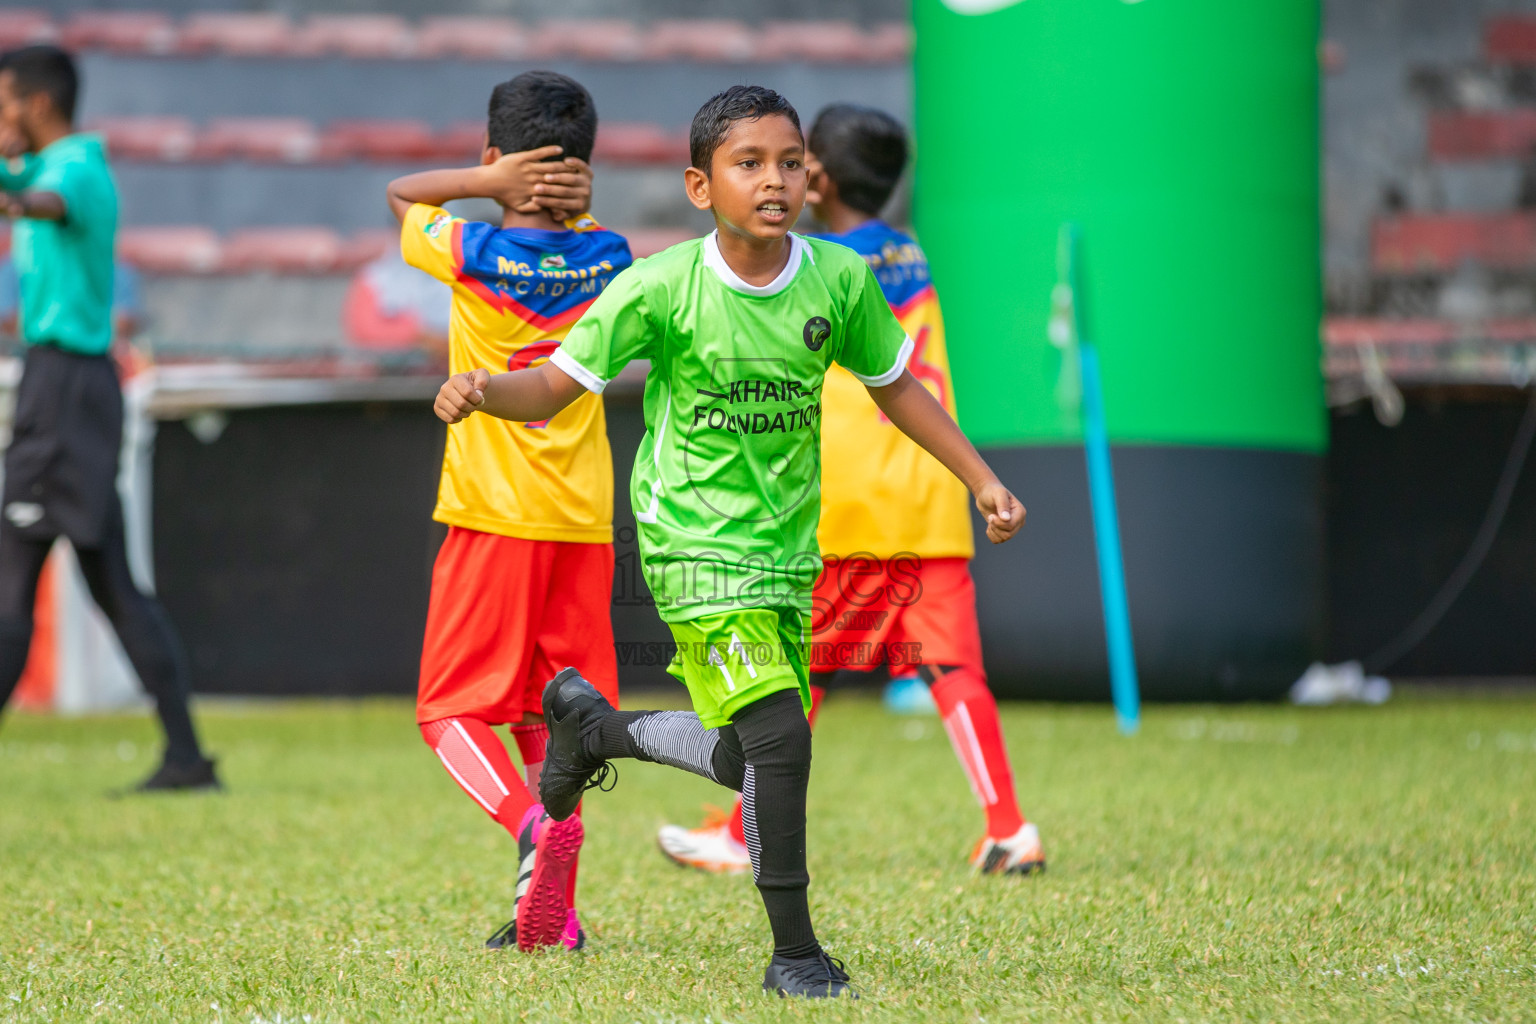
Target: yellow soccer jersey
516 292
881 494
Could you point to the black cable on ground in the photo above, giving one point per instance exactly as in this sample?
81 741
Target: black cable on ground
1389 653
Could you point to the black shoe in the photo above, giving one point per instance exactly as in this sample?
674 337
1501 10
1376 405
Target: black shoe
180 775
815 977
571 706
505 937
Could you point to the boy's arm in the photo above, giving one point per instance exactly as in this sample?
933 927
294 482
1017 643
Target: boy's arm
536 393
918 414
525 182
32 205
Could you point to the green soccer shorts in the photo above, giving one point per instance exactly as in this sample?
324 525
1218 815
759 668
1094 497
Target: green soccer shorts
731 659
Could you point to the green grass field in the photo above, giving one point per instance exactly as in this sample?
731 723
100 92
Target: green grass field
1239 863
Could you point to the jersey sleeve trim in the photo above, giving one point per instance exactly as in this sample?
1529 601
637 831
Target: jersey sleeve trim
889 376
580 374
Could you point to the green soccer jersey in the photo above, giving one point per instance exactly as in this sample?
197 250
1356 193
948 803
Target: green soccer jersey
64 267
727 481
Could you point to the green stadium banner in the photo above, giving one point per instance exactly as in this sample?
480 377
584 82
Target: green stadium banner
1181 136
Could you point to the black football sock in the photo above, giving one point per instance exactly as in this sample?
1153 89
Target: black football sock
776 744
676 738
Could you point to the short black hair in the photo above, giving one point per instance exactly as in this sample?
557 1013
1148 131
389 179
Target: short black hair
45 69
542 108
721 111
863 151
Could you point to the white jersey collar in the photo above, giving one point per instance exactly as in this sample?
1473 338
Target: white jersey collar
716 262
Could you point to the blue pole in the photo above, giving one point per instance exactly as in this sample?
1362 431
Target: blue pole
1106 520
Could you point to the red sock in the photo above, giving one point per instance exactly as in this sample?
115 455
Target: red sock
531 740
478 762
738 833
970 717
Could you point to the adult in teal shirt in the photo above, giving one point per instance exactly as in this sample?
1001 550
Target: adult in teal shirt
61 465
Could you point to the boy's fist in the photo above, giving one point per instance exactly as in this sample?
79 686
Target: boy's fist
461 395
1002 511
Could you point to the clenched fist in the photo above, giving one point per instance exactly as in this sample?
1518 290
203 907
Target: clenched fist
461 395
1001 509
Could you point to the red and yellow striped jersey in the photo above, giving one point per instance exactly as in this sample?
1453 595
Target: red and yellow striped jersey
881 494
516 292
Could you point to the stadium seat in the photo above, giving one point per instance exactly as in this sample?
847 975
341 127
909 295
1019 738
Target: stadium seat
888 43
286 250
715 41
1481 135
473 38
621 143
170 250
383 140
24 26
1435 243
834 41
262 139
364 247
236 34
355 35
645 242
461 141
165 139
1510 39
597 39
120 32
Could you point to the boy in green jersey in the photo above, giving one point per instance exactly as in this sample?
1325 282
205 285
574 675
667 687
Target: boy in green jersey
739 329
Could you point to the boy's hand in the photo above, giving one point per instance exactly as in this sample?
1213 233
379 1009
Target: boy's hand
461 395
1001 509
540 180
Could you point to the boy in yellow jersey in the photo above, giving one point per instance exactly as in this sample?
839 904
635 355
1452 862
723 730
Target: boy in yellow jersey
522 584
895 528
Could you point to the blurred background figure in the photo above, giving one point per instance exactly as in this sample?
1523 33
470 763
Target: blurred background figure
61 464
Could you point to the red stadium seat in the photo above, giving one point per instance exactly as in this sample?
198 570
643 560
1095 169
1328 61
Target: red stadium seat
596 39
355 35
715 41
365 247
287 250
889 43
236 34
830 41
121 31
382 140
621 143
461 142
169 139
645 242
473 38
1435 243
1510 39
1481 135
263 139
170 250
25 26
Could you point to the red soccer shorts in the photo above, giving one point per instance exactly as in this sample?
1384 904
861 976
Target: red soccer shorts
903 612
506 615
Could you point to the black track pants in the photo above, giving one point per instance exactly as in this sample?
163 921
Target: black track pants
140 621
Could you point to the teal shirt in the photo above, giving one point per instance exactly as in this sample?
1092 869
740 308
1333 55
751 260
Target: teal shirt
65 267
